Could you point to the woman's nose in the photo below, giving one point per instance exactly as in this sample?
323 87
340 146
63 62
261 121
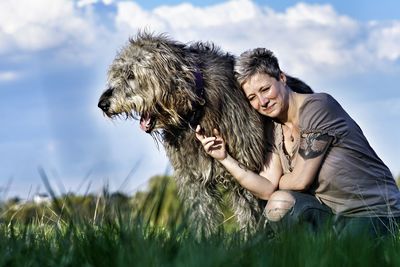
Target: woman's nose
263 101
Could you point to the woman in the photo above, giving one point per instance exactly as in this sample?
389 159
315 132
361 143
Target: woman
321 162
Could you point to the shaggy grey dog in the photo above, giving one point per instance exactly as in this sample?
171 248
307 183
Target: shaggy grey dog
172 87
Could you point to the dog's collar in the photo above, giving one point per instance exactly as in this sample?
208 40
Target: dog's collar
198 110
199 84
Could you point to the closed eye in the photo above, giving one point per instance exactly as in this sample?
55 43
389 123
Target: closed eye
264 89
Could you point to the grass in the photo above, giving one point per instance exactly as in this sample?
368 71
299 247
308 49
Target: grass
123 244
144 236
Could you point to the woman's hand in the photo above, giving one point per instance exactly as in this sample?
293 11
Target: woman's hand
214 146
257 184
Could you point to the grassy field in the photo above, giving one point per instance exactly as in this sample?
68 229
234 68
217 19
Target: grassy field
153 231
133 244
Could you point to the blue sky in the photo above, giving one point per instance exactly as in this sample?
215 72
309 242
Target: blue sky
54 56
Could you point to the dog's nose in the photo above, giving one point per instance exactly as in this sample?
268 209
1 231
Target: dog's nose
104 104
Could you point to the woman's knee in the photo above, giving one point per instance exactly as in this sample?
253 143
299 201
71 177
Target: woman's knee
279 204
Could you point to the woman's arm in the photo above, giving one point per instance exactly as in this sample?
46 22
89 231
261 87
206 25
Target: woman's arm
311 154
261 185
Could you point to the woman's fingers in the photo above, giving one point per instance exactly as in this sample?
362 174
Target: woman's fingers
199 137
213 145
198 133
216 132
218 136
217 139
207 147
208 140
198 129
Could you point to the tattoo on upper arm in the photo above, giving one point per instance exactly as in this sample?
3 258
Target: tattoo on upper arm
313 145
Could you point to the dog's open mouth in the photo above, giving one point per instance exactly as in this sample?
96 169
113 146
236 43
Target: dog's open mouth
147 123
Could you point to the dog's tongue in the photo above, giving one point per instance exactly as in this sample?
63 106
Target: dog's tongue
145 122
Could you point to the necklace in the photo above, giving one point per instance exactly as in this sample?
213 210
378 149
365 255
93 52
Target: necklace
291 153
291 137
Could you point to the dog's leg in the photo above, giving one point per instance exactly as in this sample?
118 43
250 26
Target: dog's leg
246 208
203 203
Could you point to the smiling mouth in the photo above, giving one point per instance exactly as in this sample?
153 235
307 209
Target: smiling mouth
268 108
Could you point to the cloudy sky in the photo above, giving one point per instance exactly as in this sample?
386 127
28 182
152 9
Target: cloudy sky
54 56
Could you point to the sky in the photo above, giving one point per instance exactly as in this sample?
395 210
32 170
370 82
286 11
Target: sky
54 56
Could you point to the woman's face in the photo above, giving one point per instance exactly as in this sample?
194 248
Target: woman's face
267 95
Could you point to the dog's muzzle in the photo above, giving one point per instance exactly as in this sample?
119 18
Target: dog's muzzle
104 101
104 104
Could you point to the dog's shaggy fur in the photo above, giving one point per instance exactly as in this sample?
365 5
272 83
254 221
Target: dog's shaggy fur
172 87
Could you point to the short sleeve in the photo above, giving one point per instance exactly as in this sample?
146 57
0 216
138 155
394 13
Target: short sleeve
321 113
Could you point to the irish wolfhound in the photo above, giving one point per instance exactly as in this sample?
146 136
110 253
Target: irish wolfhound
172 87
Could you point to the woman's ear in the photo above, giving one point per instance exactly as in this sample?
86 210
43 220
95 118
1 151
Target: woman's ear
282 77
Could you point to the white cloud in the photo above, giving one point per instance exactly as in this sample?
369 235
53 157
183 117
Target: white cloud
384 40
131 15
82 3
187 16
185 19
32 25
305 37
8 76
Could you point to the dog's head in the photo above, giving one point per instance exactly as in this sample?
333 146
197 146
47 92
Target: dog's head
152 79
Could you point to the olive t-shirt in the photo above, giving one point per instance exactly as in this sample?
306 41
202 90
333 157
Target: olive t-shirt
352 180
